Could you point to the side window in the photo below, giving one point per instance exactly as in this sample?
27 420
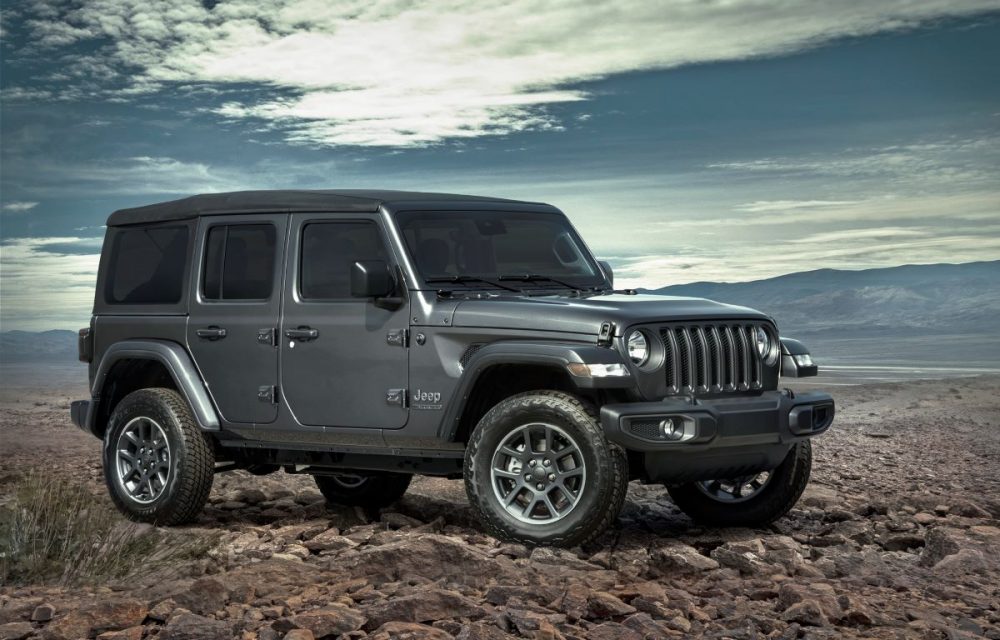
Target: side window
239 262
147 265
329 249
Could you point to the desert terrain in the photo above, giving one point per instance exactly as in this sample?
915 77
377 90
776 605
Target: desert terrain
897 536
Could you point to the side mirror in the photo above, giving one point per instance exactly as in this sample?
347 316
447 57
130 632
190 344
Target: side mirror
796 362
371 279
608 271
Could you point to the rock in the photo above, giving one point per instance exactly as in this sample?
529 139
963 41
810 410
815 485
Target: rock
250 496
161 612
963 562
409 631
602 605
647 627
431 557
677 559
132 633
903 542
574 602
15 630
499 594
111 614
481 631
206 595
816 495
426 605
822 595
807 612
331 620
529 621
395 520
613 631
923 518
43 613
329 540
968 509
17 610
561 557
938 543
745 556
300 634
190 626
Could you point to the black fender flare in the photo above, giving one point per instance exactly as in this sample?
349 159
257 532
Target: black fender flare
178 363
547 354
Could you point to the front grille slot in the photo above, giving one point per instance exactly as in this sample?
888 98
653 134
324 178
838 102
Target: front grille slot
710 358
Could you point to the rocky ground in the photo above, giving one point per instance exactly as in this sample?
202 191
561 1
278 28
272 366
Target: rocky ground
898 536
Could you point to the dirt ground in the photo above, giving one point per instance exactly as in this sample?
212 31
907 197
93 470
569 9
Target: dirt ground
897 536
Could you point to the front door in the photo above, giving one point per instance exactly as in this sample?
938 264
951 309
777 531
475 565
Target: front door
340 363
234 313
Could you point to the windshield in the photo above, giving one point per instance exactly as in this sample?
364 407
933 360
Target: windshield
537 249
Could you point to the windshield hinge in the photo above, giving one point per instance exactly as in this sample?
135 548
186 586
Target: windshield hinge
268 394
606 334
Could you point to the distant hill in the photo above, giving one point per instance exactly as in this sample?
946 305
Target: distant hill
907 300
57 345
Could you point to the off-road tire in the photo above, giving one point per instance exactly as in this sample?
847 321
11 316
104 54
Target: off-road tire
606 467
780 494
377 490
192 463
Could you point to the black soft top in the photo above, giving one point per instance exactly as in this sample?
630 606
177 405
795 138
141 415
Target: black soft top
302 200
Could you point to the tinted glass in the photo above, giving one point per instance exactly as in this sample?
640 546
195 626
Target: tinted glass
239 262
147 265
490 244
329 249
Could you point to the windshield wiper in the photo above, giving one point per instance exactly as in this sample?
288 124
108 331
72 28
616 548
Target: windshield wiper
534 277
468 279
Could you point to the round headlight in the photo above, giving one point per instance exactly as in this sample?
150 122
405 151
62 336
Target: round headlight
763 339
638 347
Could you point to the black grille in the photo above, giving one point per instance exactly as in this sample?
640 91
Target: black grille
710 358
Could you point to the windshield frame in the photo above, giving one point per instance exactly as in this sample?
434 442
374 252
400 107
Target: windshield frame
431 282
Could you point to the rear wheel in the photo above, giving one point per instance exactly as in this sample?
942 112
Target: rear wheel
538 470
158 465
372 491
752 500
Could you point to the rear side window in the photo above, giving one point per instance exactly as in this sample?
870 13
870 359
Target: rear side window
239 262
329 249
147 265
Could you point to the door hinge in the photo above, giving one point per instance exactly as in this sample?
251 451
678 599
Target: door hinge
267 336
398 337
268 393
396 396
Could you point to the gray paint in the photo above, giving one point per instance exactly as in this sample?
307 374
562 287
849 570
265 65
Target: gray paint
332 390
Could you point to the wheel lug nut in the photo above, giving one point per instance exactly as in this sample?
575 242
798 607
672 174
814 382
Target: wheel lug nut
532 463
548 462
540 485
552 476
527 476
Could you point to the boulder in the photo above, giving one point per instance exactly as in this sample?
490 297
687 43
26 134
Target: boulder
204 596
329 621
426 605
807 613
409 631
15 630
185 625
111 614
678 559
938 543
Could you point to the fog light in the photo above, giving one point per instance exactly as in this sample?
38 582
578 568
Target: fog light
669 429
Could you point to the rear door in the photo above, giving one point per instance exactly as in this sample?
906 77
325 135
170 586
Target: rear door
234 313
341 364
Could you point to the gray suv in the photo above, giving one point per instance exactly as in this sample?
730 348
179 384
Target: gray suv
362 337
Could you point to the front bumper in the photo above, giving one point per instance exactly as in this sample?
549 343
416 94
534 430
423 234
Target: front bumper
682 440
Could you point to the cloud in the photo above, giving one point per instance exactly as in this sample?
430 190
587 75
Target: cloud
395 73
45 283
18 207
762 206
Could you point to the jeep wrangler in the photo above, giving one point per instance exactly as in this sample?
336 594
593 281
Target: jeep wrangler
363 337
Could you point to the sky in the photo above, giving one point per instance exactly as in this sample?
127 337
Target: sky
687 140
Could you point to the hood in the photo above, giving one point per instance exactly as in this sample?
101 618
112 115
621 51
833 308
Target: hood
586 314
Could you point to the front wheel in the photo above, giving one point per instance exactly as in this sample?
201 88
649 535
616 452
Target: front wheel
372 491
538 470
753 500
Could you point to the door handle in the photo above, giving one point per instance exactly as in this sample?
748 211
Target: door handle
211 333
302 333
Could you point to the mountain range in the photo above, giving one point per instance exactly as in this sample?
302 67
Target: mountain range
898 304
